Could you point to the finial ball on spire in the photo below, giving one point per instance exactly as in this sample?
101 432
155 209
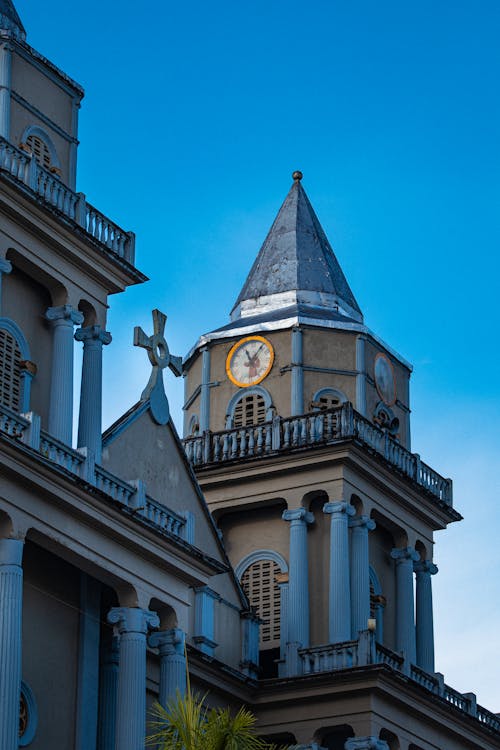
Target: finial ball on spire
297 175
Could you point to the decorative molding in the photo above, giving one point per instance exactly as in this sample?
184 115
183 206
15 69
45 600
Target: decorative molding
257 556
38 132
8 325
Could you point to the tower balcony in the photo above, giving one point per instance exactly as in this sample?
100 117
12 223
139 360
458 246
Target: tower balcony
21 168
313 431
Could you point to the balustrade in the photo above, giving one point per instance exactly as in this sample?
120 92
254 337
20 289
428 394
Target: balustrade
24 168
77 462
311 430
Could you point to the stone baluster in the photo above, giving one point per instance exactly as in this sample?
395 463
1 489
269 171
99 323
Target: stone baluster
339 605
63 320
405 611
298 587
132 624
424 618
108 687
11 602
360 573
90 419
366 743
173 677
297 373
5 267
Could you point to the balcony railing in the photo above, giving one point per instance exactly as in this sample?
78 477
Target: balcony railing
24 168
314 430
127 496
366 651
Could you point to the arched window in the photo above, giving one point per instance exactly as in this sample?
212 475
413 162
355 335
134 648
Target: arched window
39 143
259 582
194 426
327 398
264 579
249 410
10 371
40 150
249 406
16 370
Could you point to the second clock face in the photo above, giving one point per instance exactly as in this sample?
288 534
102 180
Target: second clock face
249 361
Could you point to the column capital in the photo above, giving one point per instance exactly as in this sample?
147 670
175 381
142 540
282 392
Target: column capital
362 522
425 566
169 642
298 514
93 335
366 743
339 506
133 619
5 266
64 315
404 555
11 551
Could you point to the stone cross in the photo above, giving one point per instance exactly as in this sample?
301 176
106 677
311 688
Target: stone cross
160 357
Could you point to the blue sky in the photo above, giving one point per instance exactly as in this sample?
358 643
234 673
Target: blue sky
195 116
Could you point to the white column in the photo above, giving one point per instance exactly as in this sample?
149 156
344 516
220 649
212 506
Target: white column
298 587
133 625
339 588
173 676
405 610
90 419
11 603
63 320
424 616
108 688
360 573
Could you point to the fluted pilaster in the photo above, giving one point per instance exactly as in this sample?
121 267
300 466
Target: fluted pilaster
405 611
90 418
133 625
298 586
108 689
173 677
63 319
297 395
360 573
424 615
11 600
5 87
339 604
205 390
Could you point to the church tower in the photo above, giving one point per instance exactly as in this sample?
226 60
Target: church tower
298 426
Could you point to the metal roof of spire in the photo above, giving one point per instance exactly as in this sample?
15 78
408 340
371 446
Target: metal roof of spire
296 266
10 21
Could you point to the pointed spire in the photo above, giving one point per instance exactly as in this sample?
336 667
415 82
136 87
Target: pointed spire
296 266
10 21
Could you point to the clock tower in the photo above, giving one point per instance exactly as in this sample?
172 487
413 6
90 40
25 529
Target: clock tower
296 343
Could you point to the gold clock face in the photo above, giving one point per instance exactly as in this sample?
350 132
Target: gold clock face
249 361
